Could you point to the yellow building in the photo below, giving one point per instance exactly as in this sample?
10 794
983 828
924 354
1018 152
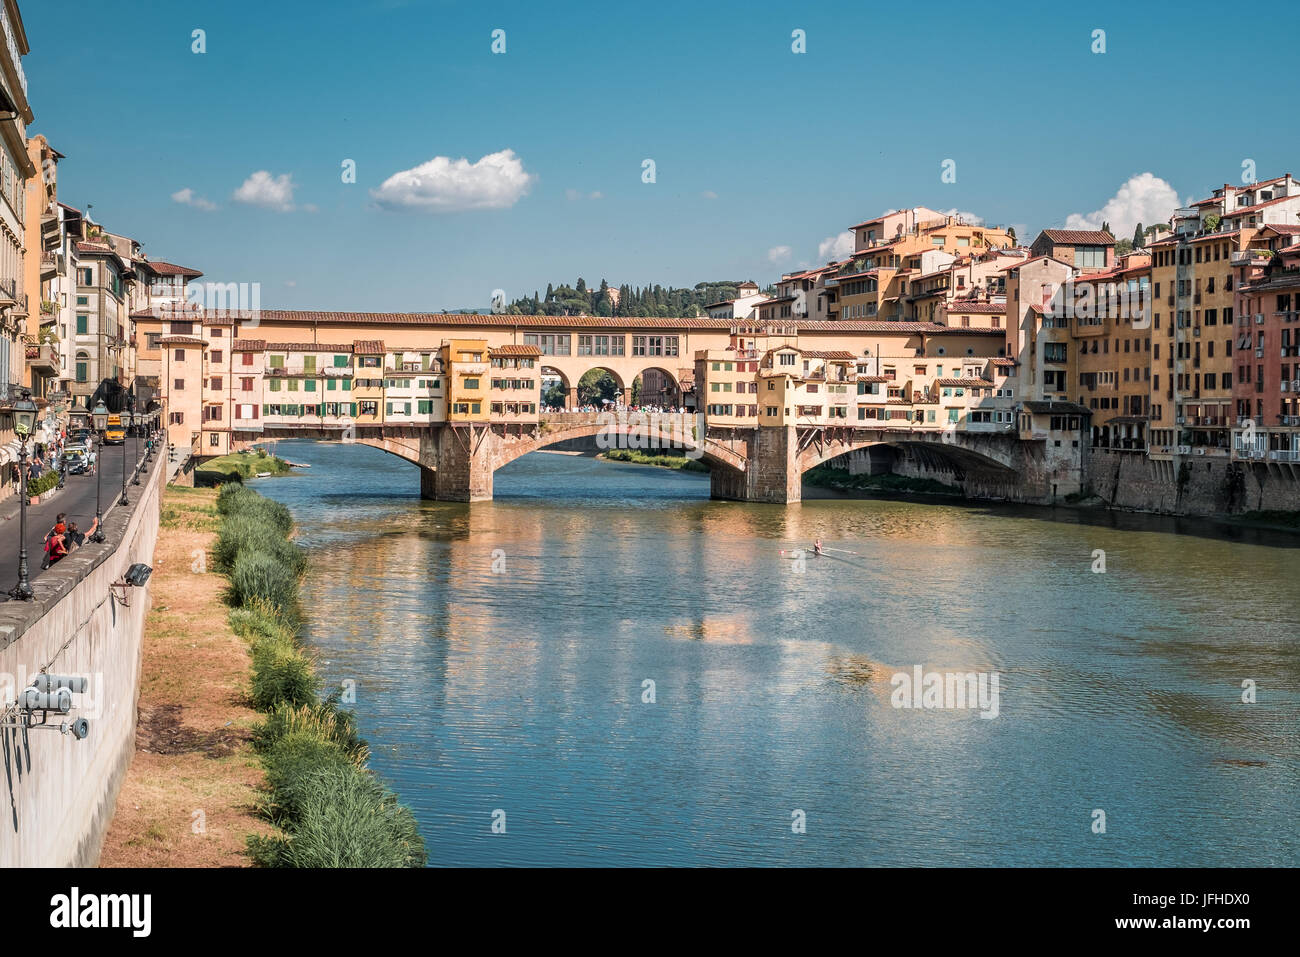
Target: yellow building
468 385
515 389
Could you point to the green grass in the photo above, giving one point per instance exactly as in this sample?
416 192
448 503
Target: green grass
234 468
329 807
666 461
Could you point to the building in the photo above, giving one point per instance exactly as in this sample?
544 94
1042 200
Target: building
101 350
16 169
1267 384
741 307
1087 250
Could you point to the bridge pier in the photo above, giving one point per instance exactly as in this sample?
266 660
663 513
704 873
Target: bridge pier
456 463
772 473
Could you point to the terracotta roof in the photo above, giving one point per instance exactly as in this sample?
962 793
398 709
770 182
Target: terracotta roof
874 378
305 347
368 346
181 341
169 269
835 354
1000 361
960 383
248 345
968 305
1026 262
1077 237
1251 209
515 350
440 321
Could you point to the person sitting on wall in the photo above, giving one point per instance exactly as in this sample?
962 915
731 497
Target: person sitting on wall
55 548
74 539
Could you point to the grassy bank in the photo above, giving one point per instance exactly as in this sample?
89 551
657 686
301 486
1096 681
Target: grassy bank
190 796
826 477
329 809
662 460
238 466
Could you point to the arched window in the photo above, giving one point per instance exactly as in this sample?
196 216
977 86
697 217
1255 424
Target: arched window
83 366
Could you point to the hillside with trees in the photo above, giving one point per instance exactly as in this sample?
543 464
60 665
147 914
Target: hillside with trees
627 300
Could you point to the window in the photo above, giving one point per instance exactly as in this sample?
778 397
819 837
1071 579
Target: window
276 362
215 355
1089 256
151 339
87 276
246 384
340 362
215 332
216 383
83 323
178 384
246 359
471 383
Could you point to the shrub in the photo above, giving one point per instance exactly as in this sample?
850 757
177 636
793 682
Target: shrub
342 817
257 575
282 674
320 719
248 532
258 619
42 483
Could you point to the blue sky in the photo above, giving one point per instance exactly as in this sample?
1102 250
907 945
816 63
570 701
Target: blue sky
756 148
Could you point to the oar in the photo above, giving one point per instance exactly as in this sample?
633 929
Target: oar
827 548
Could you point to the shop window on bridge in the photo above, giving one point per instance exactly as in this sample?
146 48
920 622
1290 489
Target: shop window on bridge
424 406
551 343
370 362
276 362
654 345
340 362
369 408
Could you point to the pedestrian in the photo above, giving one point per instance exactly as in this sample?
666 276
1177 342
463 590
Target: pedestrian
55 548
75 539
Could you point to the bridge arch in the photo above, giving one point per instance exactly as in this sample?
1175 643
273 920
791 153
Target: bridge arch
651 433
960 450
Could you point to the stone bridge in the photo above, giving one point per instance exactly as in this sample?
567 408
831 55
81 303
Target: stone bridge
766 464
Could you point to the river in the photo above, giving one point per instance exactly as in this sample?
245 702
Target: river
500 655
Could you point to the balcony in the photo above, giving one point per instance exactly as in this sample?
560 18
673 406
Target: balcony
44 357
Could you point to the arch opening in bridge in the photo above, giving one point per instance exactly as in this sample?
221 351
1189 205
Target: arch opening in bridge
659 387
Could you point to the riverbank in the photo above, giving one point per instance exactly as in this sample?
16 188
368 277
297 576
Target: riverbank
841 480
238 466
190 796
328 809
664 461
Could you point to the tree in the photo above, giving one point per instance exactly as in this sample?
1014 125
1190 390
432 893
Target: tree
1137 235
1105 227
1011 231
1123 247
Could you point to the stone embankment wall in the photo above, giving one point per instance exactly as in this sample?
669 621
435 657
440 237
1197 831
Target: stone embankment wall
61 792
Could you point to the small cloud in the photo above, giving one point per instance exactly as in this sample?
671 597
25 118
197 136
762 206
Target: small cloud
778 254
1144 198
835 247
709 194
269 192
597 195
443 185
573 195
970 219
187 197
310 208
291 283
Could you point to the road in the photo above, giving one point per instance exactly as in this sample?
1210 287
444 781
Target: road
77 499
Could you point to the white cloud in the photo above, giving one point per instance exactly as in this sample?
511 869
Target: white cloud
968 218
572 195
836 247
597 195
444 185
187 197
709 194
778 254
270 192
291 283
1145 199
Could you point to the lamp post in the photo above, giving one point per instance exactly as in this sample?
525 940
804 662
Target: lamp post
126 418
99 419
24 420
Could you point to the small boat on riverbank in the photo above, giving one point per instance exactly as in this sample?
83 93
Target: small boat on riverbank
296 465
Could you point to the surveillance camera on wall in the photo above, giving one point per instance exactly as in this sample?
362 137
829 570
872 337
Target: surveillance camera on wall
138 574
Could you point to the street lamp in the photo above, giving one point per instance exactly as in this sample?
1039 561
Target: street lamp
126 417
98 418
24 421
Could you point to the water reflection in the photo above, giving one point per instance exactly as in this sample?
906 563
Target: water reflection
521 687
